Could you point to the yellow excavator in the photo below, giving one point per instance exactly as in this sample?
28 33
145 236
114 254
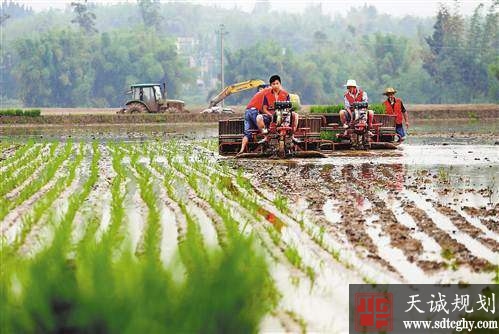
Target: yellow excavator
239 87
229 90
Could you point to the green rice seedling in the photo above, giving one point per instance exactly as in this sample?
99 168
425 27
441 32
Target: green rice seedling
321 236
78 198
151 240
311 274
243 294
113 238
378 108
18 154
31 188
293 256
209 144
242 181
368 280
281 202
21 157
231 224
449 256
23 168
443 175
44 203
330 135
326 109
274 235
299 320
47 174
195 247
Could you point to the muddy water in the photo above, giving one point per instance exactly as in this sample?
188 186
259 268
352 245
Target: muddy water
118 132
464 132
428 213
432 204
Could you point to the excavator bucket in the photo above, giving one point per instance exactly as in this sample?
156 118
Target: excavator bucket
235 88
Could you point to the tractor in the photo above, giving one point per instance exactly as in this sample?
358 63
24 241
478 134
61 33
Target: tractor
149 98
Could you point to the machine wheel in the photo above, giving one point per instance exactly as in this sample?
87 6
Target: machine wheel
135 108
282 149
365 141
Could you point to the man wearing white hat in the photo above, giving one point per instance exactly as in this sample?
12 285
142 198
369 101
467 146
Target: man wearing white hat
353 94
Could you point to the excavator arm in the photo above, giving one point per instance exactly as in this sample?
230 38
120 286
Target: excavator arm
235 88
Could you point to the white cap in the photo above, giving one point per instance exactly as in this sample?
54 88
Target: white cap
351 83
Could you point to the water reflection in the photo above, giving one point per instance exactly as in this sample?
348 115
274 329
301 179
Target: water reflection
118 132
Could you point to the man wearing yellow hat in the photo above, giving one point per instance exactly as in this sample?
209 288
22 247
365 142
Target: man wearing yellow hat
395 106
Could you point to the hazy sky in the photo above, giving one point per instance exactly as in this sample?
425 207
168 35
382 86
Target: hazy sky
394 7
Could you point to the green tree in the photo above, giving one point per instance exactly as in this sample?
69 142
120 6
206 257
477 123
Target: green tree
62 68
55 70
13 10
149 10
84 17
127 57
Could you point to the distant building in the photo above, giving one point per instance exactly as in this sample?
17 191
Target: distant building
186 45
205 63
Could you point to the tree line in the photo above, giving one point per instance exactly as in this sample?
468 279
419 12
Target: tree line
88 55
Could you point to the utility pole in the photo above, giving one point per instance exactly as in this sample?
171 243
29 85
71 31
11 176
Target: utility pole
222 33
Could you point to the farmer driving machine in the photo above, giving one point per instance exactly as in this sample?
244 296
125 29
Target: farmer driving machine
358 132
278 142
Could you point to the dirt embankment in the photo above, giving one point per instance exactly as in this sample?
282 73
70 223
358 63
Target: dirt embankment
81 119
451 111
76 116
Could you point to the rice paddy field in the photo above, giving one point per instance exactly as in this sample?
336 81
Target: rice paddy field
148 229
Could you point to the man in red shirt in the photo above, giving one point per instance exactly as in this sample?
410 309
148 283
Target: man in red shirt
395 106
276 93
352 95
253 118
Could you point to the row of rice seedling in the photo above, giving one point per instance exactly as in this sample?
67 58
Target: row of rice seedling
118 194
45 176
93 286
378 108
20 150
44 203
203 191
152 233
195 167
18 172
191 245
22 156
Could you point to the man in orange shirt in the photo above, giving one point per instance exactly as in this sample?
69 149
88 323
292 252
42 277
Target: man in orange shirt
395 106
253 118
276 93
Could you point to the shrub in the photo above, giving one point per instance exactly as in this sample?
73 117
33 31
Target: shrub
20 112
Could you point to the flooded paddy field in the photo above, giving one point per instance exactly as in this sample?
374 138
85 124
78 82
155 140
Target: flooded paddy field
108 132
427 212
